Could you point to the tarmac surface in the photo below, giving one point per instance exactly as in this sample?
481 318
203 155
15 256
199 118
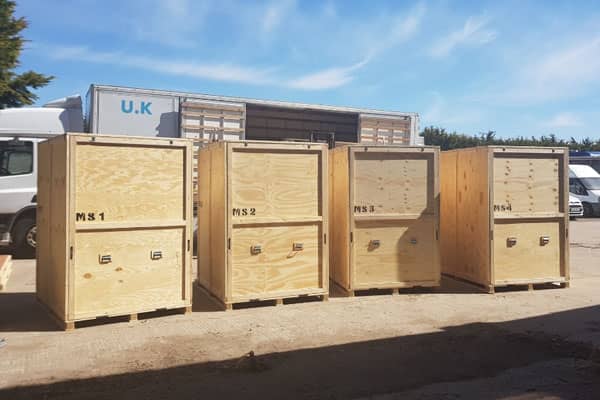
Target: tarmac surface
451 343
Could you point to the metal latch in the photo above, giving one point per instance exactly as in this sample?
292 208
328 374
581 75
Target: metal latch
374 243
105 258
544 240
298 246
155 255
256 249
413 241
511 241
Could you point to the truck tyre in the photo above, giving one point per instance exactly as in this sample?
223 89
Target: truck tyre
588 210
24 238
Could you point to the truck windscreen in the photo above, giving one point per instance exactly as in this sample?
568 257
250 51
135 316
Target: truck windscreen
16 158
591 183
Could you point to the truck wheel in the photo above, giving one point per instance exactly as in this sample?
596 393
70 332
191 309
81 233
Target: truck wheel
25 238
588 210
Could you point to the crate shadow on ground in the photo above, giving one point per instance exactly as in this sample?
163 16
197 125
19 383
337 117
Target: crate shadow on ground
21 312
448 285
481 360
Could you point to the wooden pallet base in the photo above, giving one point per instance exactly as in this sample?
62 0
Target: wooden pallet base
418 288
5 270
510 287
262 302
72 325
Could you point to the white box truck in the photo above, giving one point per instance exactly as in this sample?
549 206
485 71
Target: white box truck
204 118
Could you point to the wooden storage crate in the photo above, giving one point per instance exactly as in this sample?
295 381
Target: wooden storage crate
384 203
114 226
262 214
505 215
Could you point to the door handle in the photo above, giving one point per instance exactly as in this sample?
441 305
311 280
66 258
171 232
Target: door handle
256 249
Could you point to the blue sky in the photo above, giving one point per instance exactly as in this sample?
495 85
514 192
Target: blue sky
516 67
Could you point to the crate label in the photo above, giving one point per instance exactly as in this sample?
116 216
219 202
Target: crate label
89 216
364 209
243 212
503 207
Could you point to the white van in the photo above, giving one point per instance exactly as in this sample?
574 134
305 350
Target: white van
21 130
584 183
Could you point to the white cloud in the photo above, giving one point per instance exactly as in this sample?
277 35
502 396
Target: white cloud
329 9
168 22
326 79
473 33
451 114
401 29
559 74
217 72
564 120
275 13
433 114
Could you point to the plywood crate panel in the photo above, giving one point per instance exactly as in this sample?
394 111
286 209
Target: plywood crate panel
384 209
504 215
114 225
262 220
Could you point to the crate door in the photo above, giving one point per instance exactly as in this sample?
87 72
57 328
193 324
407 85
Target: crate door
128 271
122 194
392 252
271 260
392 183
276 215
526 184
274 185
527 251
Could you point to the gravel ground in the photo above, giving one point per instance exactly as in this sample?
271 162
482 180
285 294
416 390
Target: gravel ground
451 343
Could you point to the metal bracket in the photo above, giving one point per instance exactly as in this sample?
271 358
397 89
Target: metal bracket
256 249
511 241
156 255
105 258
298 246
544 240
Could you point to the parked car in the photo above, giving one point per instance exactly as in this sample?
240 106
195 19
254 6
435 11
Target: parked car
575 207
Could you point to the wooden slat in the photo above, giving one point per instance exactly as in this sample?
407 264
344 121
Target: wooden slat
212 128
211 106
5 270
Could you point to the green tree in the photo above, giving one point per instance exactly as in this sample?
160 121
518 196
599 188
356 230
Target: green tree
15 88
435 136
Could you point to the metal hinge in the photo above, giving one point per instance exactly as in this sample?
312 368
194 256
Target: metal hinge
188 245
228 243
351 237
324 238
71 253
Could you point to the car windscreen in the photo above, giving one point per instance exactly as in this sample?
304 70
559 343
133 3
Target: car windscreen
16 157
591 183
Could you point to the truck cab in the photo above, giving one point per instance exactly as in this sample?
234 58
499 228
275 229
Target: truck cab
21 130
584 183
